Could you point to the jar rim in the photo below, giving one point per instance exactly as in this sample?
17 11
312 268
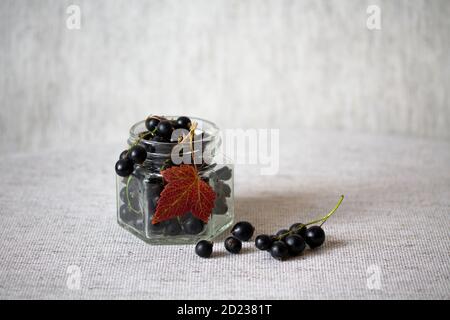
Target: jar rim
212 130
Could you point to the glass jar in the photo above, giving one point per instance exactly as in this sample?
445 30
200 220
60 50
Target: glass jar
138 194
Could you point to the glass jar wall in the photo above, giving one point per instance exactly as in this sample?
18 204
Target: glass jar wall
139 193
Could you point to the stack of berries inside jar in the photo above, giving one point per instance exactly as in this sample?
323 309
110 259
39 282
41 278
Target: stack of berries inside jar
160 195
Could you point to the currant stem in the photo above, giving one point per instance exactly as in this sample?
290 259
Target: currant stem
323 220
332 211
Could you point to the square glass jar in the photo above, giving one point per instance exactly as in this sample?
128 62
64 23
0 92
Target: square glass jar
138 194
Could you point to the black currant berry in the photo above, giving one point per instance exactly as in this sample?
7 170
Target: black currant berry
125 214
193 225
233 245
220 206
183 123
138 154
204 248
243 230
226 190
263 242
224 173
157 227
298 228
165 129
151 123
279 250
172 228
282 234
123 155
315 237
295 244
124 167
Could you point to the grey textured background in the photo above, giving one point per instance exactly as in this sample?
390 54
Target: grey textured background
395 216
277 63
283 64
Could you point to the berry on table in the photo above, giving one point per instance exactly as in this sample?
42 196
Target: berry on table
183 123
164 129
299 229
138 154
233 245
204 248
279 250
124 167
282 234
151 123
295 244
315 237
263 242
243 230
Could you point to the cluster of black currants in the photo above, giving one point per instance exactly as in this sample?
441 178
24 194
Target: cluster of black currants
290 243
128 158
160 129
242 231
284 244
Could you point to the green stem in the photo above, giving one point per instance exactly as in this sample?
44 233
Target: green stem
323 220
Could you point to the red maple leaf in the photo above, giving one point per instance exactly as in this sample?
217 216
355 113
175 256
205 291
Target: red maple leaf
184 192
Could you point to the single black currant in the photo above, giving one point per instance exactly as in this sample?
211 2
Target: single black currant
315 236
124 167
263 242
193 225
138 154
295 244
226 190
157 227
165 129
183 123
282 234
125 214
151 123
233 245
123 155
220 206
172 228
131 199
204 248
298 228
224 173
243 230
279 250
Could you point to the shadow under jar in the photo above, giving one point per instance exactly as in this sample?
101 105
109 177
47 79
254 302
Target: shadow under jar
138 194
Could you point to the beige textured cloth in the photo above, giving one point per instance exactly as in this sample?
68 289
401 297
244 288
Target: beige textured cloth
389 239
